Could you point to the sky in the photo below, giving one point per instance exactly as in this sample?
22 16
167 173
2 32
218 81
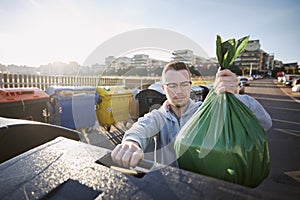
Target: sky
38 32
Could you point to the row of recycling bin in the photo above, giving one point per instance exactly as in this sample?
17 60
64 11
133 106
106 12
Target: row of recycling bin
80 107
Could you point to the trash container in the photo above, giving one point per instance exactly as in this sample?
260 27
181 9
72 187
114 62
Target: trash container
205 91
199 92
156 86
23 103
113 105
134 105
72 107
149 99
18 136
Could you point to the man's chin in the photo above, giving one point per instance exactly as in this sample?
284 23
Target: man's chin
180 104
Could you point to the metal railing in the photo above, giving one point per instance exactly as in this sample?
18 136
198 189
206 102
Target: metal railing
11 80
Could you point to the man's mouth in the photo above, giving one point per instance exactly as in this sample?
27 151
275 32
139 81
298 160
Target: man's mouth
179 98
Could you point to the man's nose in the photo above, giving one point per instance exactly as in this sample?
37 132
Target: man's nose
178 89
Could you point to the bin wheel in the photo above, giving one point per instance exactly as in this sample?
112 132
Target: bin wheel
107 128
89 129
127 124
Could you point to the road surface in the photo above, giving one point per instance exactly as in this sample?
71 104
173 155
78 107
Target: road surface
283 138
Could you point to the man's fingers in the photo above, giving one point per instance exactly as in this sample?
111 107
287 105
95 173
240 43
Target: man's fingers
115 152
136 157
126 159
119 156
127 154
226 81
225 72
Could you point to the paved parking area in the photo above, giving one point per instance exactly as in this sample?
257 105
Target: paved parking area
99 136
288 91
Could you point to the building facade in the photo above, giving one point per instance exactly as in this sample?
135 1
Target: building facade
254 60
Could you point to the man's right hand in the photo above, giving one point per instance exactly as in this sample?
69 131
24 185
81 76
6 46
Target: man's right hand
226 81
127 154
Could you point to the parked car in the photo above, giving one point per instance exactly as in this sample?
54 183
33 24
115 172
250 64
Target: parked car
295 82
280 79
257 76
245 81
289 80
296 88
280 74
241 88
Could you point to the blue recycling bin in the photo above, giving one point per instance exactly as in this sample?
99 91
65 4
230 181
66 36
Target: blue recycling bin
72 106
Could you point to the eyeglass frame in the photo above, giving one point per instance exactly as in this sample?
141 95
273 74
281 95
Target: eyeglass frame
176 85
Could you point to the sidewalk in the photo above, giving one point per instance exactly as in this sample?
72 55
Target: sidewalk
99 136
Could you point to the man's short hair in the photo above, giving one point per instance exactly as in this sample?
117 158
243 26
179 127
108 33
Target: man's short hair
174 65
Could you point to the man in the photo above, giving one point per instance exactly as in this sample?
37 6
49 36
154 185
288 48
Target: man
165 123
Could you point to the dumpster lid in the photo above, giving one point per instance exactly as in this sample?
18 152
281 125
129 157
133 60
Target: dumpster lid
156 86
112 90
21 94
6 122
197 88
70 90
16 91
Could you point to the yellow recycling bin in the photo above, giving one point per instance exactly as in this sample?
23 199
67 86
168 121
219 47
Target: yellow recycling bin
113 105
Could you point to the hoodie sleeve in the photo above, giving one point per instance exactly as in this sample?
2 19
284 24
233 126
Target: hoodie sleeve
261 114
144 129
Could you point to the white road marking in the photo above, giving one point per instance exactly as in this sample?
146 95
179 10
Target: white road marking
294 174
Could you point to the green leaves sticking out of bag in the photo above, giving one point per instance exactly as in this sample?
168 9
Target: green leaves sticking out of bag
229 50
224 139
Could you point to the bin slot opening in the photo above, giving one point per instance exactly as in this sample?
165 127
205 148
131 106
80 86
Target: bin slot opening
72 189
140 171
68 93
65 93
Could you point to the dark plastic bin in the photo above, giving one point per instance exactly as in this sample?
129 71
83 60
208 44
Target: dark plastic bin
205 91
72 107
18 136
23 103
196 93
67 169
149 99
134 105
199 92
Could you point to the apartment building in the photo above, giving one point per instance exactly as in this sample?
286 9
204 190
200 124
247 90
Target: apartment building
184 55
254 60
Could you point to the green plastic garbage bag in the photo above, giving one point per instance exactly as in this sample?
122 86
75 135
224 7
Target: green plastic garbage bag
224 140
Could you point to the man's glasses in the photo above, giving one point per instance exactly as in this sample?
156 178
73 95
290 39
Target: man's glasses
174 86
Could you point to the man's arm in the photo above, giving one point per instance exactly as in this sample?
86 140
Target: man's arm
261 114
136 139
226 81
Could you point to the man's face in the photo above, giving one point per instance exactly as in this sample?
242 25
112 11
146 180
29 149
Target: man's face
177 87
